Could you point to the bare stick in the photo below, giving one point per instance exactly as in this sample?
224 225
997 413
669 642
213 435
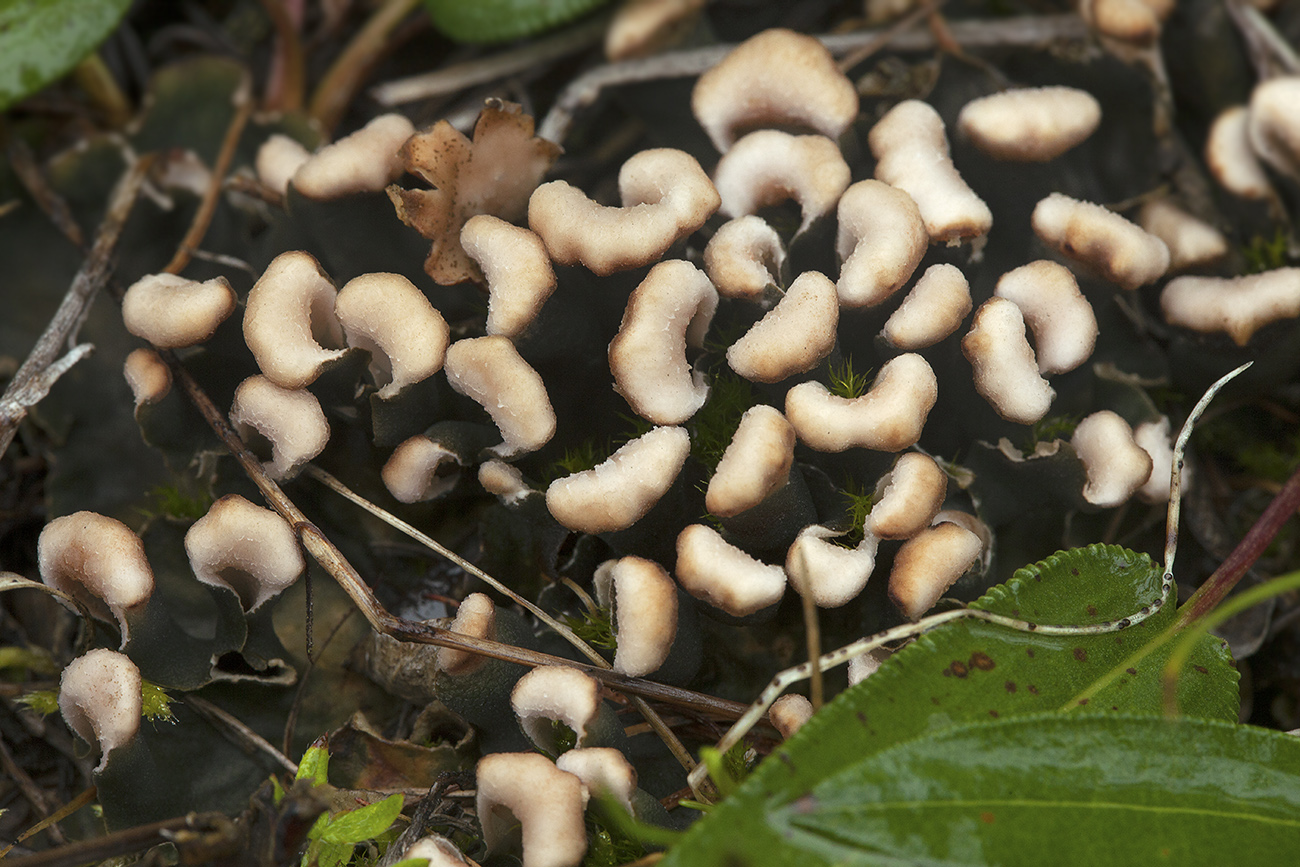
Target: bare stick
1021 32
452 79
335 90
54 205
332 561
211 833
790 676
38 373
434 545
813 636
287 81
28 787
656 722
243 102
238 732
1269 51
1176 471
87 796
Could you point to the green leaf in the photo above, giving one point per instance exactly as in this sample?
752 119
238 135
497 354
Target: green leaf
32 659
329 855
315 763
1062 790
40 40
969 671
500 20
365 823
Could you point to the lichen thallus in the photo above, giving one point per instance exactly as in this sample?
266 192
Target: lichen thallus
798 673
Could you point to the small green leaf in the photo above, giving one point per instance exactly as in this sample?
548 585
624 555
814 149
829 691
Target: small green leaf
365 823
329 854
412 862
500 20
315 763
1058 789
277 791
41 40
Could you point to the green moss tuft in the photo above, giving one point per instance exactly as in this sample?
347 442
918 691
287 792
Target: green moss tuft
157 704
846 382
858 500
1266 254
171 501
43 701
594 627
1050 428
715 424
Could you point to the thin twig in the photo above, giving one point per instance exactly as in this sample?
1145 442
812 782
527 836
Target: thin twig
434 545
86 797
888 35
1023 32
38 373
1248 550
287 81
205 828
28 787
334 93
583 596
332 561
651 717
243 102
1269 51
453 79
291 721
237 731
55 206
813 636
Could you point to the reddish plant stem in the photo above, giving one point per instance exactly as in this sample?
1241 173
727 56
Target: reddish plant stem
1248 550
286 83
243 102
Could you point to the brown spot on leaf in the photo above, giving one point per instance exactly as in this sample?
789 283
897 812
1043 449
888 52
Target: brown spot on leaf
1201 669
993 714
957 669
1033 690
1081 654
981 660
1010 686
805 804
1131 670
1092 610
986 818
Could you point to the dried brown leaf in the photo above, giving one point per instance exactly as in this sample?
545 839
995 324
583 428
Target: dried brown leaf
494 174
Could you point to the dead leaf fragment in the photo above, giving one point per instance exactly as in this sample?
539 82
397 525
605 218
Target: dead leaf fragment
494 174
